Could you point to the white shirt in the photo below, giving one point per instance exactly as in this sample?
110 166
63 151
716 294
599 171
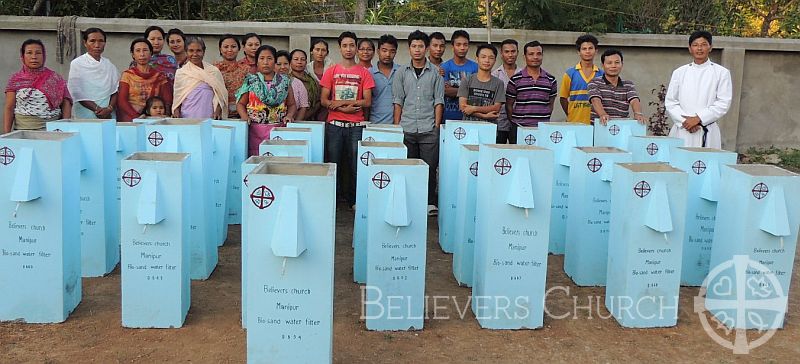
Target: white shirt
327 63
704 90
91 80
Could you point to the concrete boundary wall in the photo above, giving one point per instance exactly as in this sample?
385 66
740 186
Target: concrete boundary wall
764 111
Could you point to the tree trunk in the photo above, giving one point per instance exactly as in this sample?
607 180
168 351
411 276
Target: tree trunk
185 9
361 11
489 21
37 7
769 17
765 25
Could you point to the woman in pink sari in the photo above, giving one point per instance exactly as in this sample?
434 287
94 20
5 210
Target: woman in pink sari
199 87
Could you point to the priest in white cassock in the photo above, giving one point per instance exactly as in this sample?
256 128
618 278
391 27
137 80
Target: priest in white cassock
699 94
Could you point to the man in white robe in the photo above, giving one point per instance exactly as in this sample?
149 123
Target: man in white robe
699 94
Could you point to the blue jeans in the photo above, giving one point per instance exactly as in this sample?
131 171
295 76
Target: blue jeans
341 147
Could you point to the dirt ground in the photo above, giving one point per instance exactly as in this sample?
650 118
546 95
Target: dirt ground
213 334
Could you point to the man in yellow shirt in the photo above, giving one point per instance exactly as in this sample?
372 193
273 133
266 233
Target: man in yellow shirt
574 95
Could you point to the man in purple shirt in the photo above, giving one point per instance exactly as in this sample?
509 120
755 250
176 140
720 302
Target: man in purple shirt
531 92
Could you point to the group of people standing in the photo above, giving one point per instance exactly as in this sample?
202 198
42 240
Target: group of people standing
268 88
265 86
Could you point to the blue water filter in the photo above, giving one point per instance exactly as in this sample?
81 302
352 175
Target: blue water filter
297 133
652 149
372 134
238 155
317 142
367 151
755 242
648 213
617 132
528 135
466 195
511 235
244 185
452 135
40 237
589 219
703 167
397 231
156 255
100 208
221 159
193 136
130 139
291 237
285 148
562 138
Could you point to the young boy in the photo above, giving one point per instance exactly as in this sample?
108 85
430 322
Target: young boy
482 95
574 96
456 71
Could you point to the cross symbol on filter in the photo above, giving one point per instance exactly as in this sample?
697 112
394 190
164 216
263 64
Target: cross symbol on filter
460 133
556 137
6 156
641 189
131 177
698 167
473 168
381 180
365 157
502 166
652 148
760 191
594 165
155 138
530 139
262 197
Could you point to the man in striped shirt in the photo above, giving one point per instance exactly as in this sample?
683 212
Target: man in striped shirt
531 92
610 95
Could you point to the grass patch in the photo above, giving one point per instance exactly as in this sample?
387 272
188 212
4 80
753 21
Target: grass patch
789 157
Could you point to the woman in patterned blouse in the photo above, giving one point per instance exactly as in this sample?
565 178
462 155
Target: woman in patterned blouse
141 82
35 94
265 99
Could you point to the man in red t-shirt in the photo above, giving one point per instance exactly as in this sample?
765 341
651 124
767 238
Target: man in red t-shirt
346 91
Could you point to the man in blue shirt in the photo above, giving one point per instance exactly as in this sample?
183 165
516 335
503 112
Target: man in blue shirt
383 73
456 70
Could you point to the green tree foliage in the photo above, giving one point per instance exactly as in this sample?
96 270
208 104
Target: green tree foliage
634 16
452 13
762 18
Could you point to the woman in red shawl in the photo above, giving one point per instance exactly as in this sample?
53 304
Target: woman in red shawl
35 94
141 82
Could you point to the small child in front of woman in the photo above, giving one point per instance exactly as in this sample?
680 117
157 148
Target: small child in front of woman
154 108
